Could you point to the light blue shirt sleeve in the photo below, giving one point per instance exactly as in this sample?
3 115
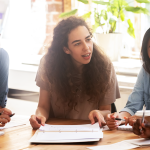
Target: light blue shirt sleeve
136 99
4 68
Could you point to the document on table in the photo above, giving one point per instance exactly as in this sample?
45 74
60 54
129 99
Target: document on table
140 141
125 127
67 133
123 145
16 120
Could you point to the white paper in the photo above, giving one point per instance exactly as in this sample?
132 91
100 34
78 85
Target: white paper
67 133
140 142
11 124
125 127
43 136
76 128
16 120
123 145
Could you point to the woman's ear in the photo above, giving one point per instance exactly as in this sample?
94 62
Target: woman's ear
66 50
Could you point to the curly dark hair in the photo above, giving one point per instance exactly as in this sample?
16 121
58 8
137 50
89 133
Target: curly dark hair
59 67
144 53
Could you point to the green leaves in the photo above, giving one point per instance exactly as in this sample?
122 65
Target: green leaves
68 14
137 10
101 2
116 8
87 15
112 23
130 29
143 1
84 1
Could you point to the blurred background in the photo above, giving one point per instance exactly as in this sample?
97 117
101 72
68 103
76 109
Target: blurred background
26 31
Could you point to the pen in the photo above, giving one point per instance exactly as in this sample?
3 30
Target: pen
119 119
143 116
12 115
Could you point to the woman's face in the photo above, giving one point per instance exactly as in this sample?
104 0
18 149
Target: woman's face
80 46
148 48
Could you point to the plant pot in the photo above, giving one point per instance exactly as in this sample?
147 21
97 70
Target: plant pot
110 43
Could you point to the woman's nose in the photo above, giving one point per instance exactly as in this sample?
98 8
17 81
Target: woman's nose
86 47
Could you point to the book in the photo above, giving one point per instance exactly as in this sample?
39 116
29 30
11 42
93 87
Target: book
67 133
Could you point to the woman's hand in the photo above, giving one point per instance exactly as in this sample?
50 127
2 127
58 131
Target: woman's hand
141 129
96 116
111 122
4 116
130 120
36 121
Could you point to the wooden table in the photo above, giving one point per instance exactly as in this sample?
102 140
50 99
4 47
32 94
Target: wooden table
17 138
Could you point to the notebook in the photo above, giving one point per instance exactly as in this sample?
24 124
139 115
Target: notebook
67 133
125 127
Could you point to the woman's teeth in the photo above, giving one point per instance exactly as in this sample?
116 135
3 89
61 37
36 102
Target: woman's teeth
86 55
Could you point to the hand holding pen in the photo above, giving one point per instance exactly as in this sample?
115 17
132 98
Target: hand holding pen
5 115
113 120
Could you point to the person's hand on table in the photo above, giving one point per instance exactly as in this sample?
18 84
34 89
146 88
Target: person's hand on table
130 120
111 122
96 116
4 116
142 129
36 121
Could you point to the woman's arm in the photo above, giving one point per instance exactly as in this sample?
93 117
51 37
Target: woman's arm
43 109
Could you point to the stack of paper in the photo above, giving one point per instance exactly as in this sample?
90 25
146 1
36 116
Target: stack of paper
67 133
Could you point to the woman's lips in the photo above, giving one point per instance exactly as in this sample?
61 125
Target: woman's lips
86 56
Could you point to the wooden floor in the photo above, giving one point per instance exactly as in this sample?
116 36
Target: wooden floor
21 107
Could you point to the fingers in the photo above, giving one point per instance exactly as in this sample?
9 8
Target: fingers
37 121
111 122
4 119
34 123
91 117
43 121
6 111
113 125
96 115
100 119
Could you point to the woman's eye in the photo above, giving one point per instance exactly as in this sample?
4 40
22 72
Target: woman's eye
88 39
77 44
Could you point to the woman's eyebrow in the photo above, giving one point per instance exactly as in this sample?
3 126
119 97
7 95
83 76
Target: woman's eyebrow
76 41
80 40
88 36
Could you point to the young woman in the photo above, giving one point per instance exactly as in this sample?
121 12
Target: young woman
76 79
141 92
4 67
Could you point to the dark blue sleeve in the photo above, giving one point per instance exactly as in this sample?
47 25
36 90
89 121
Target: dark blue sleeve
4 68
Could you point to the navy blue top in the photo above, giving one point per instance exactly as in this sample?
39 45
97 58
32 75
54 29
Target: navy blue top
4 68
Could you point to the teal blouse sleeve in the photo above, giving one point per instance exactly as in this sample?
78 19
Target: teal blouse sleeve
4 68
136 99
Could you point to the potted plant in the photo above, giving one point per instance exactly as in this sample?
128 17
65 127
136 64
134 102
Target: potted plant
107 19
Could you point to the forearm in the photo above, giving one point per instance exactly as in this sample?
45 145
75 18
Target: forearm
42 112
